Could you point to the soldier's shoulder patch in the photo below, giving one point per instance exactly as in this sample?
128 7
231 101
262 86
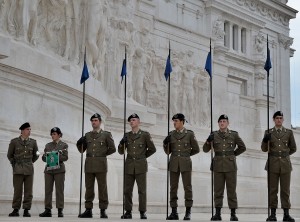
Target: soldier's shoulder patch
15 139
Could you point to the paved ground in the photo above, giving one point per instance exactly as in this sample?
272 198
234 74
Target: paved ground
151 217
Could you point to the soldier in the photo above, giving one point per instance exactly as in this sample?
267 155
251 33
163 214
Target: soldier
22 153
57 175
181 144
139 147
224 142
98 144
280 144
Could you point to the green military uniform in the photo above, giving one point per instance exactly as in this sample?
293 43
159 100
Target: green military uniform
224 165
56 176
183 144
22 154
139 147
281 145
99 145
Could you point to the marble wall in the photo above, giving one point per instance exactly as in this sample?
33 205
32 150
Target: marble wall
42 44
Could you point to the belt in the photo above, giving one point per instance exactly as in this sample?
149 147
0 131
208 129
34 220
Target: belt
224 153
24 161
136 157
180 154
91 155
279 153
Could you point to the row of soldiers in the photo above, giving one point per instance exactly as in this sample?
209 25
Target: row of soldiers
180 144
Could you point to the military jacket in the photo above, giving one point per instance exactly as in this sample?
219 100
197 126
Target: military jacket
22 155
281 146
181 147
224 145
139 147
99 145
63 155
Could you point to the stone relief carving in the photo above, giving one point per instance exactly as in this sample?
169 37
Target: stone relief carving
264 10
66 27
285 41
218 28
259 42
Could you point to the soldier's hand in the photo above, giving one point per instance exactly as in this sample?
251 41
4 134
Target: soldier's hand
60 152
82 141
167 140
123 140
210 138
267 137
13 162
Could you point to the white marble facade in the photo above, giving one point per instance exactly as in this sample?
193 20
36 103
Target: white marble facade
42 46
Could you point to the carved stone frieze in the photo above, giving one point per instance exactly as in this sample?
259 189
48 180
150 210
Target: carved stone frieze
285 41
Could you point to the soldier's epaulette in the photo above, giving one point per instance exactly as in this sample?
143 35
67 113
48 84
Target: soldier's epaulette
104 131
15 139
233 131
190 130
172 131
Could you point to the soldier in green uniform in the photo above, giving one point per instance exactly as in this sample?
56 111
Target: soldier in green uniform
224 142
181 144
22 153
98 144
139 147
280 144
56 175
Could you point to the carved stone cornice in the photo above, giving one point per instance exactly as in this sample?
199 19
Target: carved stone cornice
265 10
285 41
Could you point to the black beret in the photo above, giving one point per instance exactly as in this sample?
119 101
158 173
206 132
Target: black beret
55 130
278 113
133 115
96 115
24 126
179 116
223 116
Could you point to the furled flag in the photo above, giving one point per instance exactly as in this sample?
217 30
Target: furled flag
268 64
208 64
168 69
123 72
85 72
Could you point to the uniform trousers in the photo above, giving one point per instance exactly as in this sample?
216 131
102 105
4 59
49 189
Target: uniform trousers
90 192
141 181
18 181
59 180
284 179
220 179
187 185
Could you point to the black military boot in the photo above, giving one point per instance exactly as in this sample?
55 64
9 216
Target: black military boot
217 216
143 215
103 214
233 216
286 215
26 213
60 212
46 213
127 215
173 215
272 217
14 213
187 215
88 213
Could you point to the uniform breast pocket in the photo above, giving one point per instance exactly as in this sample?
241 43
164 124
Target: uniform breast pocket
141 145
230 144
18 150
285 143
30 150
216 144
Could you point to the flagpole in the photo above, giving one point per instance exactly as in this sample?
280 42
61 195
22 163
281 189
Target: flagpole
168 157
82 134
211 130
124 155
268 124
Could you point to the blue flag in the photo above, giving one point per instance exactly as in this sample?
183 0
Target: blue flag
168 69
208 64
123 72
268 64
85 72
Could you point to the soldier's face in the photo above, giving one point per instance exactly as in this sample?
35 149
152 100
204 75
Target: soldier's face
278 120
223 124
95 123
26 132
134 122
178 125
55 136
